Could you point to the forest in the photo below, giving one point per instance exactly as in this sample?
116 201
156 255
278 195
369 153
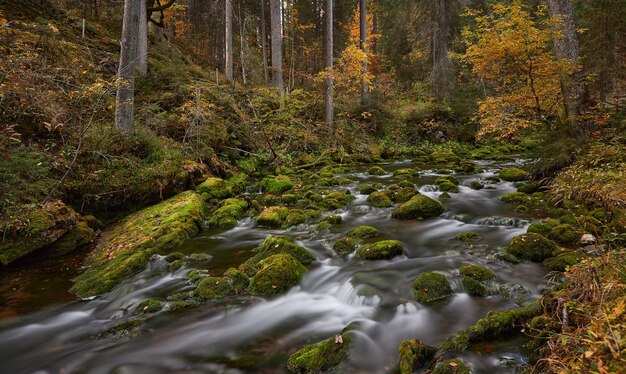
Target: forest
313 186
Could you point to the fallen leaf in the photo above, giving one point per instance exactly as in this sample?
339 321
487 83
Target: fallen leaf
338 339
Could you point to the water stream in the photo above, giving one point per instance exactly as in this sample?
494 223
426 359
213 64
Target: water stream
256 335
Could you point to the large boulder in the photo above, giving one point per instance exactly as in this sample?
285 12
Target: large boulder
383 250
531 246
513 174
276 275
280 244
431 286
419 207
215 188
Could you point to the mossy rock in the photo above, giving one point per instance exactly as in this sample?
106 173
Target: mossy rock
448 187
376 170
469 236
276 275
430 287
419 207
447 179
277 185
345 245
476 185
295 217
452 366
563 259
529 188
479 273
36 228
515 197
195 275
226 217
414 355
78 236
215 188
280 244
531 246
475 287
92 222
366 189
239 182
327 356
379 199
565 234
213 288
406 184
148 306
445 196
344 197
289 199
362 232
382 250
238 279
405 173
513 174
521 209
543 228
273 217
402 195
443 156
129 245
171 257
333 219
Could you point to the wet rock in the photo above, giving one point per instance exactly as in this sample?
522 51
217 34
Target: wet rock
276 275
479 273
475 287
544 227
366 189
587 239
452 366
215 188
531 246
327 356
238 279
276 185
447 179
363 232
345 245
379 200
448 187
565 234
148 306
561 259
77 237
419 207
376 170
333 219
273 217
515 197
469 236
402 195
406 184
382 250
280 244
226 217
513 174
414 355
476 185
405 172
529 188
213 288
430 287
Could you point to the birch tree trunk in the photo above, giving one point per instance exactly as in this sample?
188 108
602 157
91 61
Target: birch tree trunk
277 45
328 63
363 44
142 36
242 44
124 110
266 71
228 42
440 77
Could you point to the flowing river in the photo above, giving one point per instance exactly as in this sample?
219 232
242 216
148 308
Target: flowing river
256 335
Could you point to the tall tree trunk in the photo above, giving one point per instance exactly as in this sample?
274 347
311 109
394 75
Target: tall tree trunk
228 42
124 110
363 43
328 63
277 45
440 77
142 36
242 44
266 70
566 48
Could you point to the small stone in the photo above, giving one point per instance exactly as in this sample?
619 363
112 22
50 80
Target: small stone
587 239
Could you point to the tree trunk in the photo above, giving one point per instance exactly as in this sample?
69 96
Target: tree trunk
242 44
124 111
266 71
277 45
566 48
328 63
363 43
441 46
142 36
228 41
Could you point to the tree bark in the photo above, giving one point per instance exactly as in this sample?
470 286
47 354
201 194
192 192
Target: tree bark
441 46
328 64
124 108
142 36
266 71
228 42
242 44
363 45
277 45
566 48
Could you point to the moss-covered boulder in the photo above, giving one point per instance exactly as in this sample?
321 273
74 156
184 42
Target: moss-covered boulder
475 287
431 286
128 246
382 250
543 228
379 199
448 187
213 288
276 275
36 228
469 236
148 306
237 278
565 234
529 188
447 179
273 217
414 355
215 188
531 246
226 217
78 236
277 185
280 244
327 356
405 172
376 170
452 366
343 197
406 184
295 217
402 195
476 185
362 232
332 219
515 197
562 259
345 245
366 189
480 273
419 207
513 174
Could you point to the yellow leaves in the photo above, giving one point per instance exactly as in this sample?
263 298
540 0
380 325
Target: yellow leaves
618 311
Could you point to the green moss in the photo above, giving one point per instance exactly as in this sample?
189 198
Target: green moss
295 217
478 273
195 275
562 259
215 188
130 244
543 228
174 256
521 209
376 170
333 219
529 188
273 217
78 236
515 197
447 179
531 246
476 185
277 185
448 187
280 244
239 182
452 366
289 199
213 288
413 355
322 357
176 265
345 245
366 189
382 250
445 196
405 172
148 306
443 156
362 232
178 305
513 174
226 217
475 287
379 199
469 236
276 275
565 234
419 207
406 184
431 286
343 197
238 279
